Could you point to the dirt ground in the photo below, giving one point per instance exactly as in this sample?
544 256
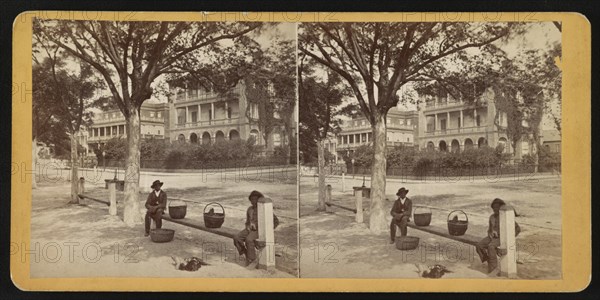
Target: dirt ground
85 241
333 245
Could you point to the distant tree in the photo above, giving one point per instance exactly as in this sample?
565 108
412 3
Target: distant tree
320 99
68 93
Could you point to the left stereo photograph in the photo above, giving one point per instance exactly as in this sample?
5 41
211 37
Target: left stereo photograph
163 149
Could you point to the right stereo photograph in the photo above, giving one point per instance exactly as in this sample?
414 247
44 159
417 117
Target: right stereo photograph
430 150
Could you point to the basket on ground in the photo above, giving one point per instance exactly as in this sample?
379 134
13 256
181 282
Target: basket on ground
422 217
177 209
213 219
456 226
407 242
161 235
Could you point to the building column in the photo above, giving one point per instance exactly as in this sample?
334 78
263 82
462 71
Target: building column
462 119
212 110
187 114
447 120
226 110
475 116
435 122
199 113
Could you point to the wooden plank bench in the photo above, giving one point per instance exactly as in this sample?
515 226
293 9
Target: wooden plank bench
443 232
82 196
222 231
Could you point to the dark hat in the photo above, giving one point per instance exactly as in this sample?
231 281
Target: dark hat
497 201
256 194
402 190
156 182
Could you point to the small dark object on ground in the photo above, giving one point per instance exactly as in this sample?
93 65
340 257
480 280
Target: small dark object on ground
436 271
190 264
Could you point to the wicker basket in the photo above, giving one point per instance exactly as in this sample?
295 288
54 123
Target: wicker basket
215 219
162 235
177 210
407 242
457 227
422 218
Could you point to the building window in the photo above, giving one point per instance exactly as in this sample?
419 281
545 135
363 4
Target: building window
159 132
151 114
158 115
408 122
121 129
401 121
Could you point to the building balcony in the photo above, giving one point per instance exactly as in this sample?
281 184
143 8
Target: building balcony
460 130
356 145
207 123
203 96
443 105
95 139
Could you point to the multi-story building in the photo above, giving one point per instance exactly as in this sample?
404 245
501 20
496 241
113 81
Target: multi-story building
401 131
200 116
551 140
154 123
448 124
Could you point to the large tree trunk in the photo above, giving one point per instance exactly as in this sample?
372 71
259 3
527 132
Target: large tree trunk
34 158
131 213
74 169
377 220
321 170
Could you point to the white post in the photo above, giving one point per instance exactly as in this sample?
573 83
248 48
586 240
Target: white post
112 198
343 182
212 110
508 246
266 234
81 188
359 211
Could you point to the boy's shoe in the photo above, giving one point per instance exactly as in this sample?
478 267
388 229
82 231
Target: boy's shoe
252 265
146 234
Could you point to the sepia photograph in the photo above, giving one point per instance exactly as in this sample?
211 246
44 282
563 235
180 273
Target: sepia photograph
164 149
430 149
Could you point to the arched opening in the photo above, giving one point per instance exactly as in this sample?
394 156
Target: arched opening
234 135
181 138
481 142
255 136
455 146
206 138
219 136
442 146
430 146
502 142
468 144
194 138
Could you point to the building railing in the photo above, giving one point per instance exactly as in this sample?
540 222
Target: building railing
123 136
355 145
122 119
185 96
207 123
368 127
457 130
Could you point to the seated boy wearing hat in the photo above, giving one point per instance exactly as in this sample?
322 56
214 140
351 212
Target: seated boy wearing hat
245 240
401 214
488 246
155 205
